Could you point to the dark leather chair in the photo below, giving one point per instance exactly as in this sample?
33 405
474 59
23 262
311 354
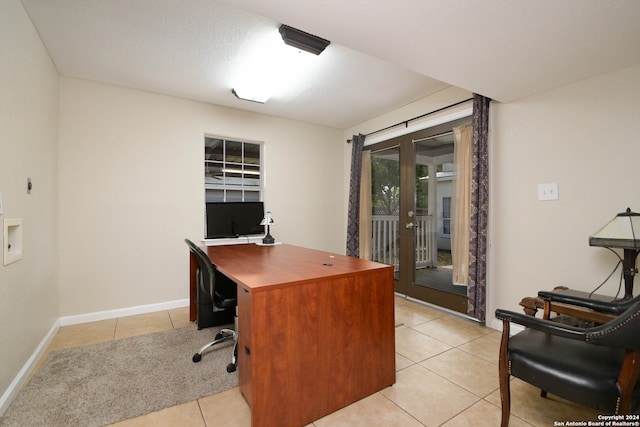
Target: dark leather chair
596 367
615 307
223 298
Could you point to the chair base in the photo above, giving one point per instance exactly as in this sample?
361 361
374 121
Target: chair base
223 336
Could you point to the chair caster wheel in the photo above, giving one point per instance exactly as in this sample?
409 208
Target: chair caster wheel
231 367
196 357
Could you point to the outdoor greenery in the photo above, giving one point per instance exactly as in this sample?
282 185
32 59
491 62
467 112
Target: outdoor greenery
385 187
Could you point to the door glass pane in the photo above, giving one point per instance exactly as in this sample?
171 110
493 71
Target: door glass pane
385 203
434 186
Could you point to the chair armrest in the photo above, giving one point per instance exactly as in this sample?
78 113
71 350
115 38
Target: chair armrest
542 325
610 307
621 332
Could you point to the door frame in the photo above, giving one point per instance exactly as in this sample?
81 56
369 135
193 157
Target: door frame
406 283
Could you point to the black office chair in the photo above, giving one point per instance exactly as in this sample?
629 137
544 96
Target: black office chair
596 367
223 298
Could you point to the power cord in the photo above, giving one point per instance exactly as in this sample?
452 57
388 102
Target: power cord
611 274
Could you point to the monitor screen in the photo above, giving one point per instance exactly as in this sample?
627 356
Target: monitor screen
233 219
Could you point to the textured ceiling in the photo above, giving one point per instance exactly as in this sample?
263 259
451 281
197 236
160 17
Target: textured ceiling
383 54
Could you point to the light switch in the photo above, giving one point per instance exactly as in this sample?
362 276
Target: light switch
548 191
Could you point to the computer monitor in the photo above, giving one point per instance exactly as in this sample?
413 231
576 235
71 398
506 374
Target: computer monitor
234 219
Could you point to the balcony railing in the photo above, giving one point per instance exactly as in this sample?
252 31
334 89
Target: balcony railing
386 240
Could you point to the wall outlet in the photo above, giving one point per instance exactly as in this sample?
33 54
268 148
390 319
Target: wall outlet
548 191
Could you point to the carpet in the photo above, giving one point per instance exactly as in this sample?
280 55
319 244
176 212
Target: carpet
104 383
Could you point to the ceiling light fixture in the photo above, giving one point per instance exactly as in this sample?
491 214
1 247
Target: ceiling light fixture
253 96
301 40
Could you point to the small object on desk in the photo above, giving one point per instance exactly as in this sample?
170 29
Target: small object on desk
268 244
268 221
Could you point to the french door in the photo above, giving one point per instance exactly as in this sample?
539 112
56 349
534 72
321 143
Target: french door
411 214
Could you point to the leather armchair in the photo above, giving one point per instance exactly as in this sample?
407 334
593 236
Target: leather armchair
614 307
596 367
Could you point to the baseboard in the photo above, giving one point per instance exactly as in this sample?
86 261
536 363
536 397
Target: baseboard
24 373
122 312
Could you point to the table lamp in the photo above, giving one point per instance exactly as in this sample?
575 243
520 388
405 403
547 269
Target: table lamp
268 221
620 233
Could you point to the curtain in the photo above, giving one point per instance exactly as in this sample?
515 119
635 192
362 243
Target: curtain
353 213
479 209
461 206
365 207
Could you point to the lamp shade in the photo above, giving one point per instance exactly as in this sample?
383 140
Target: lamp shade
619 232
268 219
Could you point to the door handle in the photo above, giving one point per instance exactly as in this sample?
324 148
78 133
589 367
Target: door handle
408 225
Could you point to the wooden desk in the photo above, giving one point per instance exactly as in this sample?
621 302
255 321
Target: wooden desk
316 330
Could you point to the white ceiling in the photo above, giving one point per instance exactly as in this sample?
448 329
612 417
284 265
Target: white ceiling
383 54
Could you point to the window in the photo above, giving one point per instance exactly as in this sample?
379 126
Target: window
232 170
446 215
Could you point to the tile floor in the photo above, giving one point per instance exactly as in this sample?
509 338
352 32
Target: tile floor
446 376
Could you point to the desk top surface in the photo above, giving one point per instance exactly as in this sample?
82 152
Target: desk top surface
258 267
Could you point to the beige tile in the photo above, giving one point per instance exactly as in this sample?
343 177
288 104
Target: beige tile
486 347
227 409
427 397
373 411
185 415
527 404
84 334
78 335
143 324
483 414
411 316
474 374
416 346
402 362
451 331
180 317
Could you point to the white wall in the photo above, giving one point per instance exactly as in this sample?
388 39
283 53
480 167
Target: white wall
28 144
132 188
582 137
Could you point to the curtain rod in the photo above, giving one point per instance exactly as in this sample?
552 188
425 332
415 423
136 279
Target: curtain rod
406 122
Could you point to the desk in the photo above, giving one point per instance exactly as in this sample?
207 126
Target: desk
315 330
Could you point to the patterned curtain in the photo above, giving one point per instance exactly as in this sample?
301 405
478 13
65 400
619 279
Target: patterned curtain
479 209
353 215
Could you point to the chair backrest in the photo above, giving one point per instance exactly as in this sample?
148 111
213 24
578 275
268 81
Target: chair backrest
220 295
206 277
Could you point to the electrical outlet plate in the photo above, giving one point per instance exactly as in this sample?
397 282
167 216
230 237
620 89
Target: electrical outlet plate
12 240
548 191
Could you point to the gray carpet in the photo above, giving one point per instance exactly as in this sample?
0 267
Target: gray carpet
104 383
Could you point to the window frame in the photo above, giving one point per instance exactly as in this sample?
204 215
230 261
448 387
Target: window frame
236 183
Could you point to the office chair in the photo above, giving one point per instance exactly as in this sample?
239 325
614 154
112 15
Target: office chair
596 367
223 298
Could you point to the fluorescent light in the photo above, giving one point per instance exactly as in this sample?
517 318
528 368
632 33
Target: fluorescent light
301 40
269 68
255 95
